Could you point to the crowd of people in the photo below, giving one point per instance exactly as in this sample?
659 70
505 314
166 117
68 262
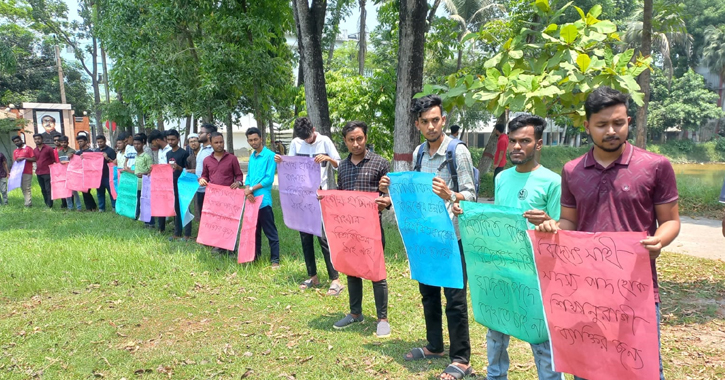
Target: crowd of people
613 187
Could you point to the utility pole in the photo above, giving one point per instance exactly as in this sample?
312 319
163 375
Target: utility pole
60 74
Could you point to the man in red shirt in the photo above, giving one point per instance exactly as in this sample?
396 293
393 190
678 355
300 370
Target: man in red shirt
44 156
618 187
24 152
499 159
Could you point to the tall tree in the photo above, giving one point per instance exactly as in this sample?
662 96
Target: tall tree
470 15
310 18
713 57
415 19
644 77
362 39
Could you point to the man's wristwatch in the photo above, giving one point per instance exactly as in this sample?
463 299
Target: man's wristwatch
452 198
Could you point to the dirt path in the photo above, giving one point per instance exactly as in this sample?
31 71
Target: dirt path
701 238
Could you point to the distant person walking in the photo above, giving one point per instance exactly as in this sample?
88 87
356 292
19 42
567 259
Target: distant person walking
4 174
499 159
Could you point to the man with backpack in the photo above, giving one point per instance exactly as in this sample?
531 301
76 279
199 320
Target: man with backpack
454 182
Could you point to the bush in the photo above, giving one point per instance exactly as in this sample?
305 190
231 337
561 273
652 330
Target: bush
720 144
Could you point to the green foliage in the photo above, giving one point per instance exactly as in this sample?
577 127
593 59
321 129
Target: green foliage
713 54
687 104
720 144
698 15
550 69
12 125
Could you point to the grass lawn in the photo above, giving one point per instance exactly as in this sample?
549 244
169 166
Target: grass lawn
95 295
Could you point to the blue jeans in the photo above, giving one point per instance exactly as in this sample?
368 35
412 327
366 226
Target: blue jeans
498 358
101 194
74 199
659 342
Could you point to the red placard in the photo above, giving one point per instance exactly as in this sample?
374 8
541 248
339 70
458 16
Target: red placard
162 190
247 236
352 227
220 217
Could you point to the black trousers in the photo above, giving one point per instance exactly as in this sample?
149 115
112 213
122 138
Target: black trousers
89 201
495 173
44 182
265 222
308 250
380 291
456 314
178 219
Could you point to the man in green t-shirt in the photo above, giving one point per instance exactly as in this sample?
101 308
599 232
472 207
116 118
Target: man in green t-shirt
141 167
536 191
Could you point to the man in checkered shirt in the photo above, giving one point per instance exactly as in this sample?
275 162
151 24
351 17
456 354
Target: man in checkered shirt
362 170
430 122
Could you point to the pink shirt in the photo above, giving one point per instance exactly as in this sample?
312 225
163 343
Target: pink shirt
622 196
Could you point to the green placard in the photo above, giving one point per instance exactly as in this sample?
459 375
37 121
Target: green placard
126 200
505 292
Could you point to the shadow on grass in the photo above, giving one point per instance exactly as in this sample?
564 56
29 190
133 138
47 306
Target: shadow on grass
698 301
396 349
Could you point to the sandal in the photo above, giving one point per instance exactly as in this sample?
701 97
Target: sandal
307 284
335 290
456 372
418 354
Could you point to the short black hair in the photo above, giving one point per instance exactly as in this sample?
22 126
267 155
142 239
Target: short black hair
63 138
303 128
252 131
455 129
604 97
137 137
425 103
16 138
351 125
101 137
500 127
210 128
122 136
56 137
155 135
172 132
215 134
141 135
82 137
37 135
526 120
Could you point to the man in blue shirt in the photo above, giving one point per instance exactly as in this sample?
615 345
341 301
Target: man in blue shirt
260 177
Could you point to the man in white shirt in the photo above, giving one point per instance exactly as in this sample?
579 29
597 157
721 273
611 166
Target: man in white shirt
309 143
205 151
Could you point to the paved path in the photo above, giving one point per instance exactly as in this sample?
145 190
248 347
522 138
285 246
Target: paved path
701 238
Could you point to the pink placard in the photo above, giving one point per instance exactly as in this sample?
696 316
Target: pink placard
247 235
74 174
352 227
599 303
113 175
92 169
162 190
220 217
57 182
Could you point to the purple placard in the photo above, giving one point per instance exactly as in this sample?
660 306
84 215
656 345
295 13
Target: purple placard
299 180
16 175
145 215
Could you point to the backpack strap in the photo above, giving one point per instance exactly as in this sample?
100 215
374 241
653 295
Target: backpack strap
419 157
451 161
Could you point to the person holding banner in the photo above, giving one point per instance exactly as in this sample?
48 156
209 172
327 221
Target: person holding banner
44 157
84 147
4 174
24 152
308 142
64 154
205 151
430 122
109 156
260 177
121 150
221 168
141 167
536 191
617 186
178 159
362 170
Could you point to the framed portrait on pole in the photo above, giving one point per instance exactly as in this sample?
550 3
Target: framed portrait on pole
48 123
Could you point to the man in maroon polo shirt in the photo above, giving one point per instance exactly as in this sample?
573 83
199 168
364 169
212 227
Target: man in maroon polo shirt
45 156
618 187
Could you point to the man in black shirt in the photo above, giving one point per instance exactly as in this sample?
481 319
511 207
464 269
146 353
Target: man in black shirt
179 160
109 155
83 147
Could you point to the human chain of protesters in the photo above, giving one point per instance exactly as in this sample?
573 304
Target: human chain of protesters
606 209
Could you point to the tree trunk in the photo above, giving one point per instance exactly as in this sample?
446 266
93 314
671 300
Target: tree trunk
141 123
411 53
230 134
487 157
96 94
311 20
160 123
187 128
460 59
644 78
272 137
362 41
336 16
195 125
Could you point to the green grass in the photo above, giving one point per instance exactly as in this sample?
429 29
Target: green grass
94 295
